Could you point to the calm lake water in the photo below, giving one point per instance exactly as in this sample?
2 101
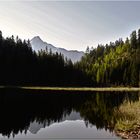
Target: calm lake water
34 114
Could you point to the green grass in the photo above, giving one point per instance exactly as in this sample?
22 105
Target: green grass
128 116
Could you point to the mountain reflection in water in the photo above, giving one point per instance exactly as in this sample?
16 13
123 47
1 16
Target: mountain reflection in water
36 126
25 111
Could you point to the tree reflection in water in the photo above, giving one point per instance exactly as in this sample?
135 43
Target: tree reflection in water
21 107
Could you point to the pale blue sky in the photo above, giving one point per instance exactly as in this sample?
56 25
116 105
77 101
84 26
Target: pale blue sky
71 25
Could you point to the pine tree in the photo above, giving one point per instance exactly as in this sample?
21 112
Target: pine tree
133 39
138 38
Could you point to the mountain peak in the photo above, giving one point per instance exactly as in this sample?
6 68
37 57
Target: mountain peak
37 44
37 38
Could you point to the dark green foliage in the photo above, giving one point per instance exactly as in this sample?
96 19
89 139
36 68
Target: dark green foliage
20 65
115 63
138 38
133 39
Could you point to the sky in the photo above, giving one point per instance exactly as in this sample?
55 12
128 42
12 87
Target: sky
73 25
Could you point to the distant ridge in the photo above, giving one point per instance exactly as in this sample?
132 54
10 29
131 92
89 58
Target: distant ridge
37 44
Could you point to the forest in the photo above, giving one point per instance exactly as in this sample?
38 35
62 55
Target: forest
113 64
20 65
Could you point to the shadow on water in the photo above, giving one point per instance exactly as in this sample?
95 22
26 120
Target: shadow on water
21 107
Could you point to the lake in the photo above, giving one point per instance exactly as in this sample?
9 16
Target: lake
39 114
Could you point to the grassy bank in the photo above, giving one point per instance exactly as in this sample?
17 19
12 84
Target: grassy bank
128 120
76 88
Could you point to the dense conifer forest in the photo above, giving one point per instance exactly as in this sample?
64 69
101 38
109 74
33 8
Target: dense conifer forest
114 64
20 65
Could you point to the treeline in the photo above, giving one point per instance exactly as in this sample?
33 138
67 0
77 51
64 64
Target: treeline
114 64
117 63
20 65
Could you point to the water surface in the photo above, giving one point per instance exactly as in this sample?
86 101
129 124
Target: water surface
27 114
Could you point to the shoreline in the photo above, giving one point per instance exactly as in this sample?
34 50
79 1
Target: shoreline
128 122
129 134
129 89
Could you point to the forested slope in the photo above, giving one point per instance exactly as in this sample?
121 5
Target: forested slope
20 65
116 63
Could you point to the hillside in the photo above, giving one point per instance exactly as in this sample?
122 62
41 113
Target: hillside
116 63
